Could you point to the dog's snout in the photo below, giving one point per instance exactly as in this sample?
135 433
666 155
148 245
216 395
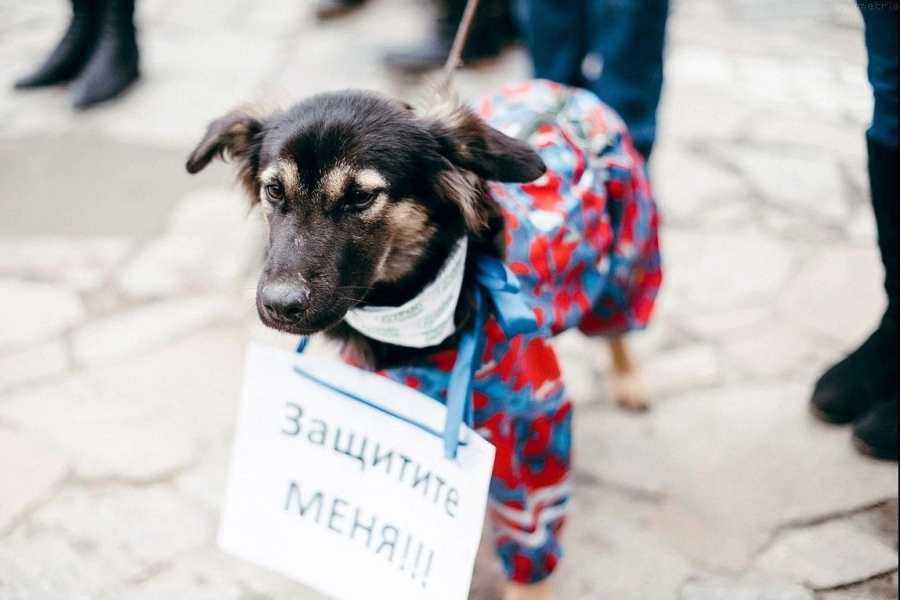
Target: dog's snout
285 302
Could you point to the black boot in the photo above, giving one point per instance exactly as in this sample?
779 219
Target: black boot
330 9
72 51
113 65
492 29
869 376
876 432
849 388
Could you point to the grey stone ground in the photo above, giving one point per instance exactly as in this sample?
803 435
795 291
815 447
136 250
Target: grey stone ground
126 291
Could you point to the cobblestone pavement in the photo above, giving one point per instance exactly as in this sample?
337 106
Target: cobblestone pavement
126 292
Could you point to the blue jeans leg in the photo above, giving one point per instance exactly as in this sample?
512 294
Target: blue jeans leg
881 43
613 48
555 33
628 36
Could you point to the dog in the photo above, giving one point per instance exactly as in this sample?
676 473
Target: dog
372 206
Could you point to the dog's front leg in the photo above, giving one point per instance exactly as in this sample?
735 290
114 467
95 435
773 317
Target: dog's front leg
625 385
540 591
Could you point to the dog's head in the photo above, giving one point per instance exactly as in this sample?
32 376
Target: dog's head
359 193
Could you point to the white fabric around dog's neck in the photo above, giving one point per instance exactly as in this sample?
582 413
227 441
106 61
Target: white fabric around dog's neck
424 321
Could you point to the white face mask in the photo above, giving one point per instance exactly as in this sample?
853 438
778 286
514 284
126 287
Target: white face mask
427 319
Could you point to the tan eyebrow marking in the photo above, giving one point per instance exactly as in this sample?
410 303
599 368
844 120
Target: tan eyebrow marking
370 180
335 181
286 173
269 174
265 178
290 176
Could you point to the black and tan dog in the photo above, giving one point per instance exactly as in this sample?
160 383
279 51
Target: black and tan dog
365 201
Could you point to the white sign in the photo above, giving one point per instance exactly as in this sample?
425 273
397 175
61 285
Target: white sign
351 496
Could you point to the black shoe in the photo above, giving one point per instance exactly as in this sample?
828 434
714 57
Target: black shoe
849 388
113 65
432 54
491 31
329 9
72 51
428 55
877 432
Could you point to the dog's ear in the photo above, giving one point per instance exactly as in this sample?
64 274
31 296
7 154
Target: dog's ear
470 143
236 135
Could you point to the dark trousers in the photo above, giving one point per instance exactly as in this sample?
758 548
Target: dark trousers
613 48
881 43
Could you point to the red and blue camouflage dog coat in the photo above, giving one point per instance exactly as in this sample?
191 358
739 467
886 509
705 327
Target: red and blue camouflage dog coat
582 241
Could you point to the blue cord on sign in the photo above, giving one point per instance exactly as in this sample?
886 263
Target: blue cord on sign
348 394
515 317
460 408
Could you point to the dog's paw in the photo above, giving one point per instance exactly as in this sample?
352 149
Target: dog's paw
541 591
628 391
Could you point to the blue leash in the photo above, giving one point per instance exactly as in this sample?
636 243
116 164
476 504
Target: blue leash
515 317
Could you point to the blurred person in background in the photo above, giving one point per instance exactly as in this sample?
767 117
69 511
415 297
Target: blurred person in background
613 48
493 29
98 53
862 388
330 9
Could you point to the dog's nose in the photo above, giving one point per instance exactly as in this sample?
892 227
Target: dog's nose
285 302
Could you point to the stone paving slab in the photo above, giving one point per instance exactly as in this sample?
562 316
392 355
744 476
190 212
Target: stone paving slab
876 589
89 540
210 242
698 448
141 419
828 556
82 263
33 364
614 556
36 311
730 590
147 327
28 474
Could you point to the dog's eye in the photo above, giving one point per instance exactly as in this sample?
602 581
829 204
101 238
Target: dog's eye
275 191
359 199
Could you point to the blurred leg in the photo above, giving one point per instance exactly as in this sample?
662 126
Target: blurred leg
491 31
876 433
555 33
72 51
625 66
113 65
330 9
881 43
864 386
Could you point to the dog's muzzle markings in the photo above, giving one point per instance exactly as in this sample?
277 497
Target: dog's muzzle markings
426 320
